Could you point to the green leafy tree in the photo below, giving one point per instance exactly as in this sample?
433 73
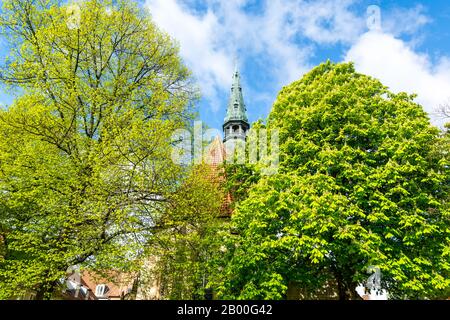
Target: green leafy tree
187 242
360 184
85 154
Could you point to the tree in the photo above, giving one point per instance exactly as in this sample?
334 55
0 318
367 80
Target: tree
186 244
444 110
443 148
360 184
85 154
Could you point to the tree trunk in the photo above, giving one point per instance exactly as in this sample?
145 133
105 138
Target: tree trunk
346 289
342 292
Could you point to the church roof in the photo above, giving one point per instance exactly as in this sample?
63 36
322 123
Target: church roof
236 109
215 154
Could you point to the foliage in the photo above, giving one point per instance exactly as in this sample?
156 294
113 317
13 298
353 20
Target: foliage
363 181
85 160
187 240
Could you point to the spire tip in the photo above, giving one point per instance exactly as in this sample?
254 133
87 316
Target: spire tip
235 61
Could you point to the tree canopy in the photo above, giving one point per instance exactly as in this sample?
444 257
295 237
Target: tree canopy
363 182
185 249
85 157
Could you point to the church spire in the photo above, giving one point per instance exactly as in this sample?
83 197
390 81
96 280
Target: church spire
236 108
236 122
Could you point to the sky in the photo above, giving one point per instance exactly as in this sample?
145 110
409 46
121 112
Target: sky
405 44
277 41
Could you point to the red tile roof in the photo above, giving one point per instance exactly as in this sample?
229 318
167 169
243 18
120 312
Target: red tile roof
215 156
118 284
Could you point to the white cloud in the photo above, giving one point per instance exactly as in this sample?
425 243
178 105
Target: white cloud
326 22
400 21
396 64
281 37
197 38
210 39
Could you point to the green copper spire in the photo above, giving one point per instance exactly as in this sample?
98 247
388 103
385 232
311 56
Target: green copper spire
236 124
236 108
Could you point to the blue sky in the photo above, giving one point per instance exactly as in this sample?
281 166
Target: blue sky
277 41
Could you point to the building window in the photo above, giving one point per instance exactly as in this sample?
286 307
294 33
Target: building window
101 290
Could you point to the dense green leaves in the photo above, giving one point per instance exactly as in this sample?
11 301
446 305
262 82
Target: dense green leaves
85 154
188 241
363 181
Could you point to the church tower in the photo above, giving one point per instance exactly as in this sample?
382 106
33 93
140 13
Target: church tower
236 124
